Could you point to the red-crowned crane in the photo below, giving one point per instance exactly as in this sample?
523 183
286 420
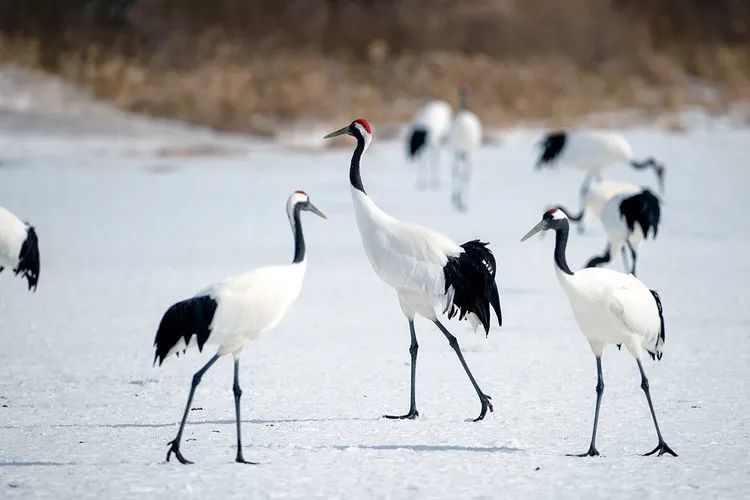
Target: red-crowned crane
592 152
427 135
431 274
231 312
464 138
610 308
19 248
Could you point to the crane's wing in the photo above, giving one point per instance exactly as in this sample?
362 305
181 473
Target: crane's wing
631 303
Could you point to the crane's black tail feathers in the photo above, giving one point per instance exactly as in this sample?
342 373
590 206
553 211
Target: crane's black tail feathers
28 258
551 145
183 320
659 346
644 209
417 141
471 274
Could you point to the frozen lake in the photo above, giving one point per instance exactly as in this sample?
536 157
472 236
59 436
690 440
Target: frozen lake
135 216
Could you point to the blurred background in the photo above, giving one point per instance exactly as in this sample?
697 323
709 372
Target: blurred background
254 66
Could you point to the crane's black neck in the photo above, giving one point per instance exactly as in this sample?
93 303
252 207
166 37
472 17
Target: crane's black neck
562 227
354 176
299 238
643 164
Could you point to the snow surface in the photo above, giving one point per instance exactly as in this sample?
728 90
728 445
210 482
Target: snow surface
132 220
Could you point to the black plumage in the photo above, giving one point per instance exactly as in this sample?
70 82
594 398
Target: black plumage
644 209
552 144
662 333
417 141
471 275
28 258
183 320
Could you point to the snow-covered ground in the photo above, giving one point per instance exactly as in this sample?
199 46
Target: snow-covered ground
134 215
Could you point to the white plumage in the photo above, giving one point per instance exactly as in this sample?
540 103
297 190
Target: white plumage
464 138
19 250
610 308
231 312
430 273
427 136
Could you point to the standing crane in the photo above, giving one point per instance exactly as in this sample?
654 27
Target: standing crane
592 152
19 248
464 139
232 312
610 308
430 273
427 134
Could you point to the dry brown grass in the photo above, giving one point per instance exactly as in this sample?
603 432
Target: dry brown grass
250 66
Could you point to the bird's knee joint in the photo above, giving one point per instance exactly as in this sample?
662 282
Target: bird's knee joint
453 342
600 388
644 384
413 348
197 379
237 390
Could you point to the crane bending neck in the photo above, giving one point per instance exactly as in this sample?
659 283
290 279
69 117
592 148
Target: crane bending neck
354 176
299 237
561 243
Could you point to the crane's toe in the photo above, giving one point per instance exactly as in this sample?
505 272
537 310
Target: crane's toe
661 448
411 415
486 405
175 448
591 453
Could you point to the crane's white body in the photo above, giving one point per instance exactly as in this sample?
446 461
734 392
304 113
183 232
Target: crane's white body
613 308
13 233
464 139
407 257
434 117
249 305
593 151
603 191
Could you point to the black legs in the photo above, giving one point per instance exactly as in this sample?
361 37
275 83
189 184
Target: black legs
175 443
662 447
413 348
599 393
483 398
633 256
603 259
237 395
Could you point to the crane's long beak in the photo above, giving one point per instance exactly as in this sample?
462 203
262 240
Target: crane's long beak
539 227
337 133
312 208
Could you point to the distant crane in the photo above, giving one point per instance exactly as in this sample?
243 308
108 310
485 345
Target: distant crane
610 308
427 134
592 152
464 139
19 247
429 272
232 312
628 220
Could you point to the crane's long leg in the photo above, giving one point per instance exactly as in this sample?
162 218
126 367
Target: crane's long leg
237 395
435 167
465 178
175 443
413 348
599 393
584 194
634 256
455 180
662 447
483 398
603 259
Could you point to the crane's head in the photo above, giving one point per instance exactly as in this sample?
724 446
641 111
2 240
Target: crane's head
299 200
359 129
554 219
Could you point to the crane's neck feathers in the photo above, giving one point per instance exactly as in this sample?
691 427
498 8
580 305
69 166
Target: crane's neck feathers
299 238
364 138
562 228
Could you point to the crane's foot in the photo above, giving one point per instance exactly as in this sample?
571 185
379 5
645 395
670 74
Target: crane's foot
661 448
486 405
591 453
174 447
241 460
413 413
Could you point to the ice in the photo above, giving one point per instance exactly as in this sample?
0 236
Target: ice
132 217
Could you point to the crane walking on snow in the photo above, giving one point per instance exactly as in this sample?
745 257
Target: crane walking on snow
592 152
19 248
628 220
610 308
428 132
232 312
464 139
429 272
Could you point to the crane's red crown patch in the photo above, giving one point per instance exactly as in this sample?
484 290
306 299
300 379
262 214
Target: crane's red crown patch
365 124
